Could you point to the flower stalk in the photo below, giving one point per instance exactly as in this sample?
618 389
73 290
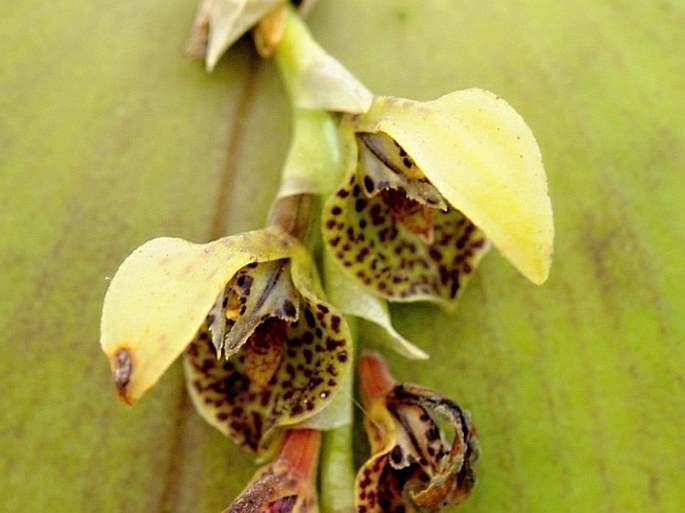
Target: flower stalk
404 197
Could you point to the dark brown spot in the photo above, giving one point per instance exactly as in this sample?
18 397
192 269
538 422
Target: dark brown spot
332 344
396 454
244 281
335 323
309 317
236 384
368 184
289 308
123 367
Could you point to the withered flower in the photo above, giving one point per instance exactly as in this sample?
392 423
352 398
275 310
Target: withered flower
288 483
423 446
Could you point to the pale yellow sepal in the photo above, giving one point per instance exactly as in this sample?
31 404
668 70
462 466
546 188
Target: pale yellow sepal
314 78
161 295
480 154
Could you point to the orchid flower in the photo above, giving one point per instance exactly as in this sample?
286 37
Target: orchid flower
263 349
413 195
427 185
417 465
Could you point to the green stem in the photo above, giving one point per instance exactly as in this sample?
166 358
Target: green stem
314 78
336 476
312 164
312 169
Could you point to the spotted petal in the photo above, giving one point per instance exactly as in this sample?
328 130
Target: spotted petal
161 295
482 157
285 373
353 299
388 257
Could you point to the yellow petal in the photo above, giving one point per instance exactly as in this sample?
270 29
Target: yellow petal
480 154
161 295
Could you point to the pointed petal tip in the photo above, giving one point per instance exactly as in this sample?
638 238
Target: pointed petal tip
210 63
533 261
543 272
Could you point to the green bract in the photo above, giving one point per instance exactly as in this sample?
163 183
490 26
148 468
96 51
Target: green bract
315 80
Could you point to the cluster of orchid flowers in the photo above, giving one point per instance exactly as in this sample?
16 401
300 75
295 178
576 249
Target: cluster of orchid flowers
413 193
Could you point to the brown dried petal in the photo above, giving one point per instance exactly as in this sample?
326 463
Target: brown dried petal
419 464
287 484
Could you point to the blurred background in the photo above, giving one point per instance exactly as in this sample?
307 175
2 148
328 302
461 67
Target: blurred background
109 137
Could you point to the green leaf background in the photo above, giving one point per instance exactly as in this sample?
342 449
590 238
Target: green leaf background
110 137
